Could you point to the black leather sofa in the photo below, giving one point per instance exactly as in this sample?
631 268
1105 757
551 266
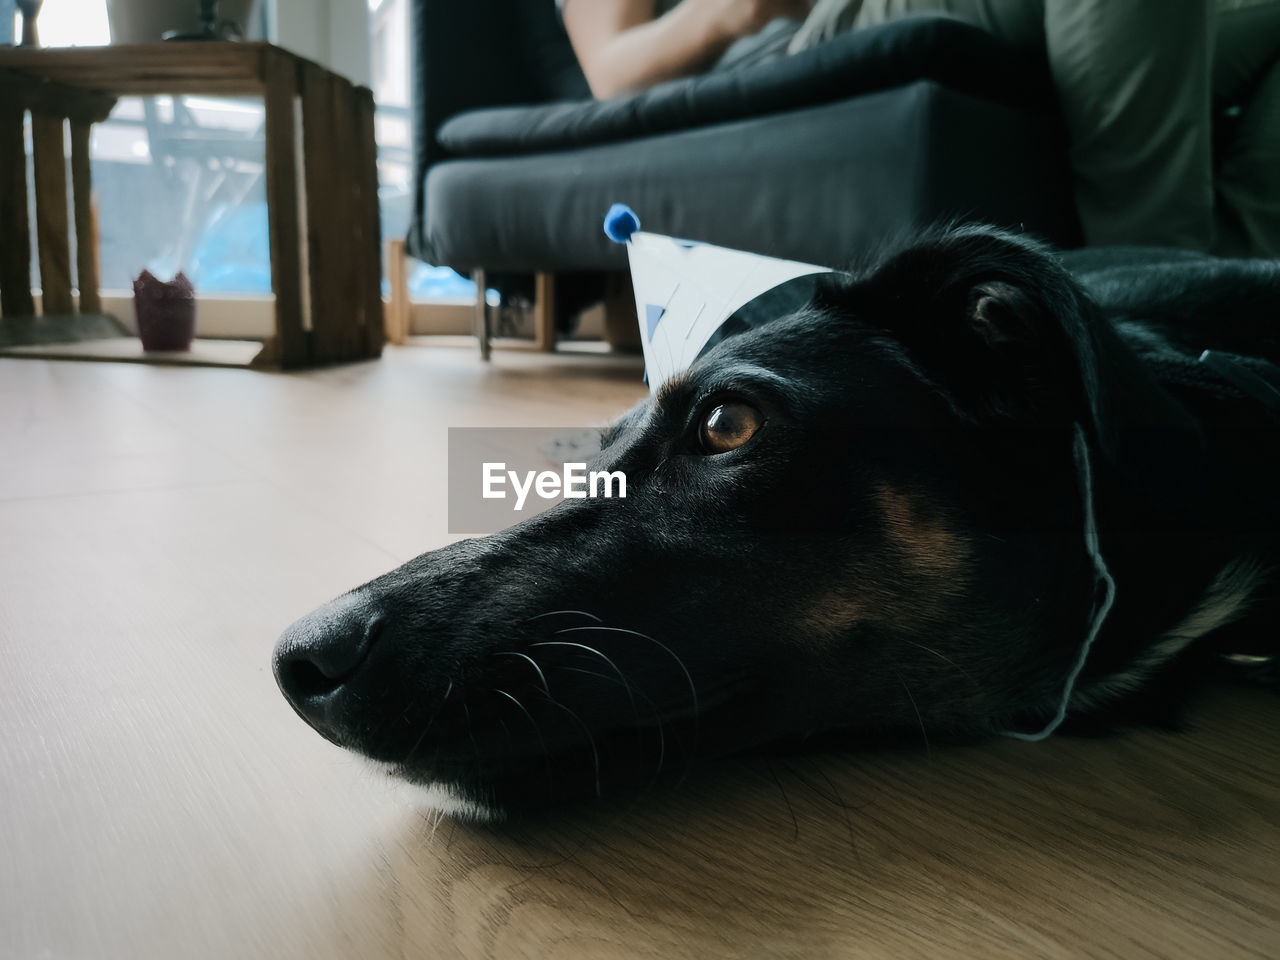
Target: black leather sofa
816 157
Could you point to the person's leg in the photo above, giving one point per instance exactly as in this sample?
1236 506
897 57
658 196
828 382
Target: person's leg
771 43
1018 21
1248 43
1248 188
1133 79
1247 82
1134 82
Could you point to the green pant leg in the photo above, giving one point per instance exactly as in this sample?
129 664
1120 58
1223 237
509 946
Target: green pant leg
1133 79
1248 194
1018 21
1247 80
1248 44
1136 81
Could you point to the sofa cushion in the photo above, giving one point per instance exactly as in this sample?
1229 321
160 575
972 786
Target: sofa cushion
947 51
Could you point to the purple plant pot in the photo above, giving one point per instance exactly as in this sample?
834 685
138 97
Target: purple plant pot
166 312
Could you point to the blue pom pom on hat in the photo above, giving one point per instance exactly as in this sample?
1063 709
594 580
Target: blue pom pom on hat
620 223
685 290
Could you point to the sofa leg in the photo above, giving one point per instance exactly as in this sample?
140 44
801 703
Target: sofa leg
621 331
397 308
544 312
482 313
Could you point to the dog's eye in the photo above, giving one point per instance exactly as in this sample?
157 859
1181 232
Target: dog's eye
729 426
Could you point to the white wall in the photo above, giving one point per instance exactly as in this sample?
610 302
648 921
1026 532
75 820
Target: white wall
333 33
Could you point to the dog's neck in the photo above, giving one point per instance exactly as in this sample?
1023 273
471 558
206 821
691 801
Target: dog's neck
1174 576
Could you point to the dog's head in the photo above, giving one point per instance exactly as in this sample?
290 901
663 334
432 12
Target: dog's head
861 517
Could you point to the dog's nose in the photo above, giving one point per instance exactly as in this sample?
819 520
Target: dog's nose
318 654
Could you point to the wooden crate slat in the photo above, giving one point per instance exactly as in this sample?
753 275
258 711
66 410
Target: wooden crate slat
161 86
116 68
15 227
52 227
289 347
369 249
86 233
344 166
325 212
43 96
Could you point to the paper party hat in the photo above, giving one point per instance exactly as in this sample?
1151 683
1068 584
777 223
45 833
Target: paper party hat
685 291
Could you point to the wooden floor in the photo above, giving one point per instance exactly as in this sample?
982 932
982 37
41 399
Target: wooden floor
158 798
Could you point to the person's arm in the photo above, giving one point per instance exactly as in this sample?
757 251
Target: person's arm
622 47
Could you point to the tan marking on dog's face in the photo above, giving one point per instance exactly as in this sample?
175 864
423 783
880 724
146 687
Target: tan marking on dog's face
918 530
912 586
831 614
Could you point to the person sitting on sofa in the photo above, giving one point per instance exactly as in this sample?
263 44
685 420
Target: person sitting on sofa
1138 83
627 45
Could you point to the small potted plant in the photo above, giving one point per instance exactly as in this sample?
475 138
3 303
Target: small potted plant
166 312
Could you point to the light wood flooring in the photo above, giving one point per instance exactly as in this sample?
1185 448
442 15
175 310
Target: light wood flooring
159 799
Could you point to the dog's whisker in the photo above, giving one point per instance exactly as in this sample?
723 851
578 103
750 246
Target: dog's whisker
616 676
662 741
525 710
924 733
584 672
833 797
795 823
940 656
471 735
653 708
537 731
591 741
691 750
437 819
693 690
427 729
558 613
582 646
533 663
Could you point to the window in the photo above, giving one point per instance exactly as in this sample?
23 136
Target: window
389 38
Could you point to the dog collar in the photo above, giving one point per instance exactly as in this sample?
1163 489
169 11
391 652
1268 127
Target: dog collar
1251 380
1103 599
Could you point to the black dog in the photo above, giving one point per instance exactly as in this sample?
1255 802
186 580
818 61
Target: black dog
962 491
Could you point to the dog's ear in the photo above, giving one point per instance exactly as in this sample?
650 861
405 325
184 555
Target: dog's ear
996 322
991 319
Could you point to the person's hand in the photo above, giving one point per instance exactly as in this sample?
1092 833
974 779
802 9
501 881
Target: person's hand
623 47
742 18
